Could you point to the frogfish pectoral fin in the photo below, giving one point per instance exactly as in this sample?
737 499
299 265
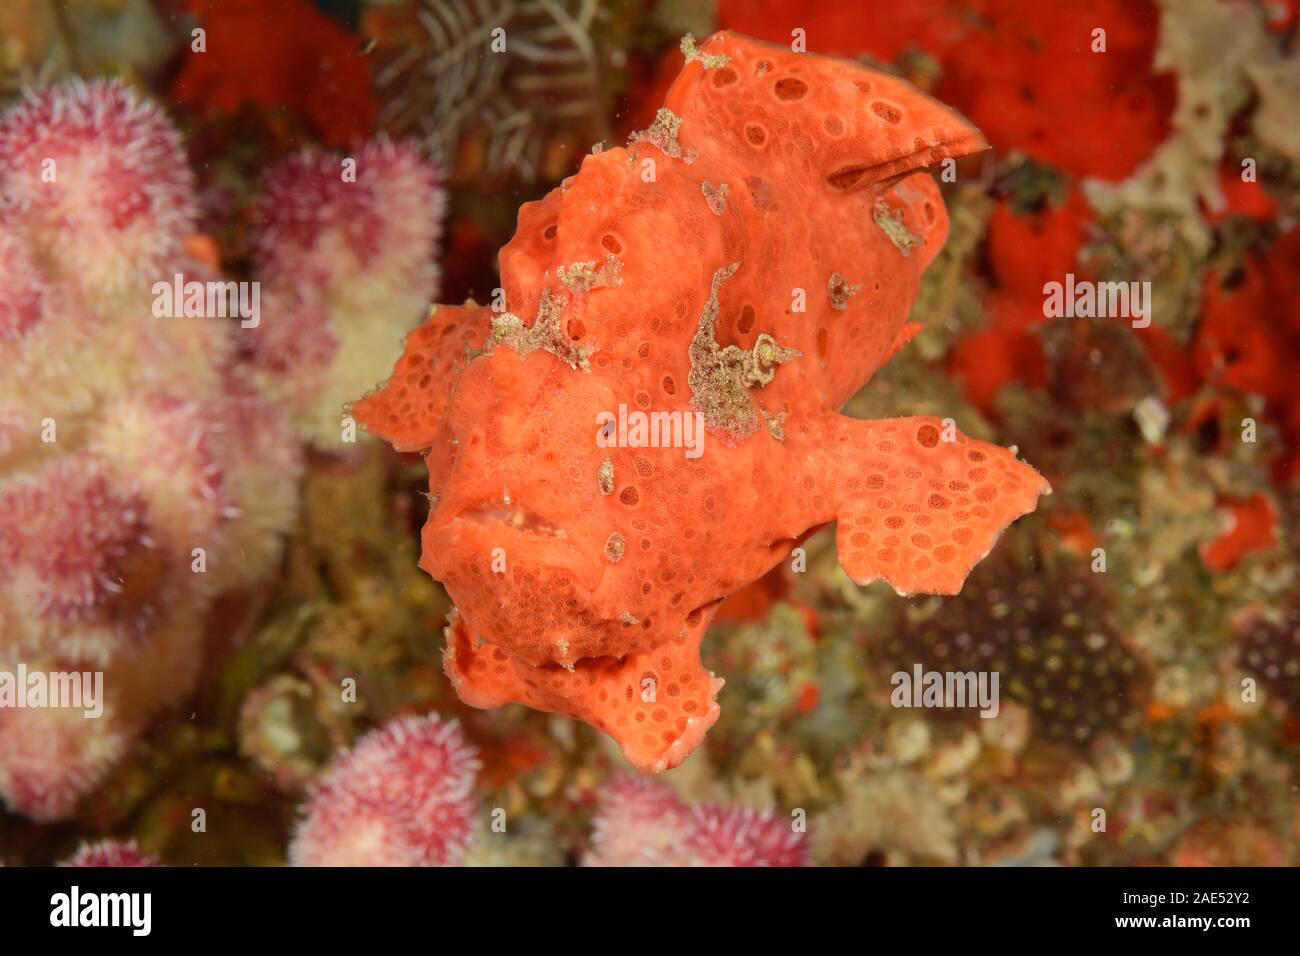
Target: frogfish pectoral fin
407 409
657 705
921 503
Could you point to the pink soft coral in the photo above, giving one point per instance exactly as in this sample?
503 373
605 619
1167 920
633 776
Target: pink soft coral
97 178
347 248
642 822
110 853
142 472
401 797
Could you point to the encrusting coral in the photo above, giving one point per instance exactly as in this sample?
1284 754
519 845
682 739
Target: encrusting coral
1268 647
1049 638
143 473
593 604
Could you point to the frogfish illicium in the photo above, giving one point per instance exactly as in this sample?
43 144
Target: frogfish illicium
745 264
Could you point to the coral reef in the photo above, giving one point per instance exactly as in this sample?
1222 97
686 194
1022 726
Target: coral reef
183 511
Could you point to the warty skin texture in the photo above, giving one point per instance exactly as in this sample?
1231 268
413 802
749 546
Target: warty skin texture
587 593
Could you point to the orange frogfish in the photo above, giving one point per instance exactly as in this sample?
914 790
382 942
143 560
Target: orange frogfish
645 420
